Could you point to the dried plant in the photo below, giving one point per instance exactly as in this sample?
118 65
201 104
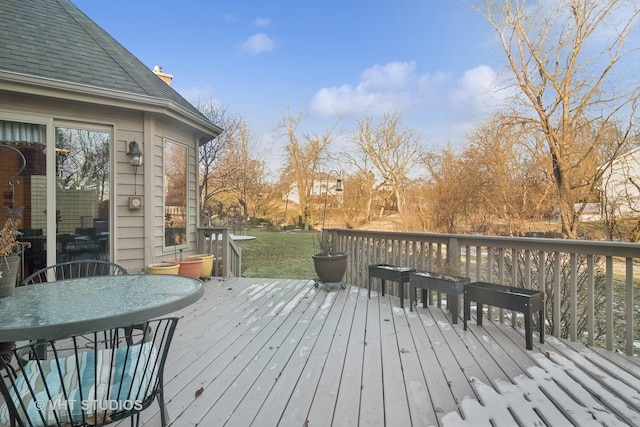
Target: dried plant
325 242
9 233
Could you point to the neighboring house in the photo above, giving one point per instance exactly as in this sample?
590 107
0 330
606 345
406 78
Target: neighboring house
621 185
319 188
72 100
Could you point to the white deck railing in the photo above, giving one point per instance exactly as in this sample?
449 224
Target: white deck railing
589 286
227 254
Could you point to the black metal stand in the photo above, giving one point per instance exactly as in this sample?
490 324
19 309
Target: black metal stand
327 285
393 273
526 301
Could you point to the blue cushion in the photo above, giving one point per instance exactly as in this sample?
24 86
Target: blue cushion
97 383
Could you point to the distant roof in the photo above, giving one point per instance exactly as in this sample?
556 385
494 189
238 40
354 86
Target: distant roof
53 39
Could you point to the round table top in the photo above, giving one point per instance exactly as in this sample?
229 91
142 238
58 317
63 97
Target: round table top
69 307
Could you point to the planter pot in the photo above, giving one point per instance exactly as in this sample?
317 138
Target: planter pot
9 266
190 267
330 268
207 264
163 268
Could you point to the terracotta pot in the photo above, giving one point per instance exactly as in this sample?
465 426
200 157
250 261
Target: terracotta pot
330 268
163 268
188 266
207 264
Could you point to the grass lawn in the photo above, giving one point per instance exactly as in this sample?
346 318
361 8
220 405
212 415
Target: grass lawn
273 254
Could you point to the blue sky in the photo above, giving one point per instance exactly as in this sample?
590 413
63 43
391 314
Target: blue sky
433 61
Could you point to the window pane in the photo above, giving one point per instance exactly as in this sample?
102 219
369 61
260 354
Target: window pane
82 194
175 194
28 190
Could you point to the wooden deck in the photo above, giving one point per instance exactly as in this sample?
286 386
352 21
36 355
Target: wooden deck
270 352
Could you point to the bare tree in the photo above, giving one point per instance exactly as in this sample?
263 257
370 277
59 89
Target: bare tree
562 56
455 193
515 187
364 181
357 198
214 173
392 151
303 161
247 174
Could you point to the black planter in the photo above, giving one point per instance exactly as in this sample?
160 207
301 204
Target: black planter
330 268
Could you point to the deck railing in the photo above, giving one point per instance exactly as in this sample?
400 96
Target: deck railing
227 254
592 288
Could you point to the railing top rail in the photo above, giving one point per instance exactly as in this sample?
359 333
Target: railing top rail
587 247
213 228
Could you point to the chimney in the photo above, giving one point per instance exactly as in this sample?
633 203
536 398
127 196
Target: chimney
157 70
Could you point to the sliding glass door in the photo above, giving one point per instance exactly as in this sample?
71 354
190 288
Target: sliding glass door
83 187
23 187
81 184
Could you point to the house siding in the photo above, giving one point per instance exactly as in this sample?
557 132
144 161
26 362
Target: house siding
620 195
139 234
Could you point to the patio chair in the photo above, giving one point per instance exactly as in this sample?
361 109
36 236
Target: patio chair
75 269
88 386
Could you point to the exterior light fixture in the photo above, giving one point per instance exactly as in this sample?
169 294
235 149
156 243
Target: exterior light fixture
135 156
135 159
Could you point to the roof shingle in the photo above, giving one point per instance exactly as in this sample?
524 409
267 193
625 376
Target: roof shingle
54 39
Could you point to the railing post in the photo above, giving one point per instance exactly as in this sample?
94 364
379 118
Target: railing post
217 245
201 241
453 256
226 258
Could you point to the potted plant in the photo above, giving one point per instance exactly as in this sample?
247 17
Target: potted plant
163 268
9 258
329 263
191 267
207 264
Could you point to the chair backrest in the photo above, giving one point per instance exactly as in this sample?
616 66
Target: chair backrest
93 379
101 225
75 269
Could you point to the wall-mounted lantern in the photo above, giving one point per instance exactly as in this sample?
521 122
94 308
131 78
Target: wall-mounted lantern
135 159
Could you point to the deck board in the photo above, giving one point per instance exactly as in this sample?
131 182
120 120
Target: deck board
275 352
347 408
399 359
372 396
300 399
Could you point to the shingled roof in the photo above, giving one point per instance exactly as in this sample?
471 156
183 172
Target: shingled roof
53 39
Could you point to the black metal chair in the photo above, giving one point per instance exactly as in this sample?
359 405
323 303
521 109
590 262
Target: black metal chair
75 269
91 383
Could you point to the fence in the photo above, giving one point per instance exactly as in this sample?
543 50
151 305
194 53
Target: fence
590 286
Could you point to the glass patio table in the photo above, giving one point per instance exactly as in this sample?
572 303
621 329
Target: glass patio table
63 308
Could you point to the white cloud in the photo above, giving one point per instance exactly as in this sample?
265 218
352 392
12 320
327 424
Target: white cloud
381 88
258 43
435 100
398 87
262 22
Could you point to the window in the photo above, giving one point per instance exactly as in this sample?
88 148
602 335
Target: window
81 185
26 192
175 194
83 189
